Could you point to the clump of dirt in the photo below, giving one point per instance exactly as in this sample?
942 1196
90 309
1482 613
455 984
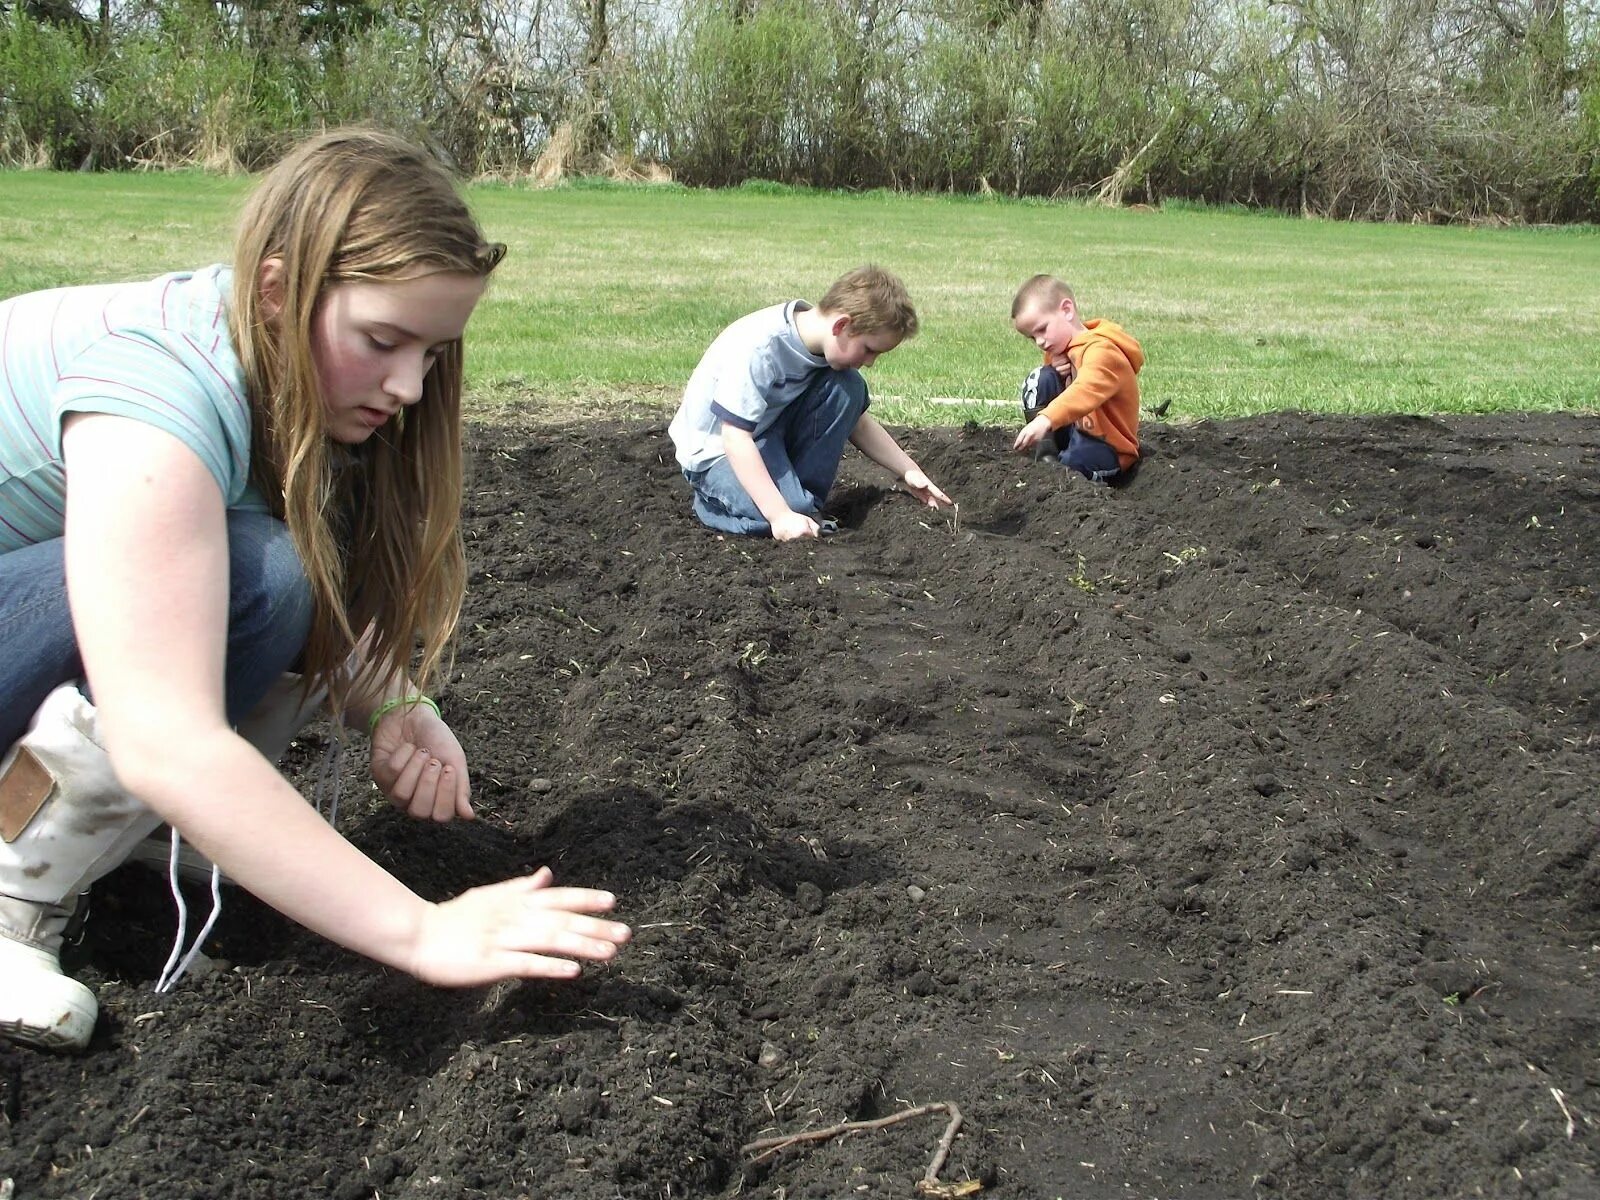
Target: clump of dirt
1230 833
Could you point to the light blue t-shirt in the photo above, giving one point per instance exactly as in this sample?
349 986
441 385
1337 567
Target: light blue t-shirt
157 351
754 369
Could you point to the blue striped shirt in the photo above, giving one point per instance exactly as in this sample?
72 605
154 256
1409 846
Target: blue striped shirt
754 369
157 351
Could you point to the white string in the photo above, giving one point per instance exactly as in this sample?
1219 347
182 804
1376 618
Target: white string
325 800
177 967
330 782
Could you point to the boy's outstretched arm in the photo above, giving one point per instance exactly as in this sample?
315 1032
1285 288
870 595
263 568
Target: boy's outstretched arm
1104 370
750 469
1034 432
878 444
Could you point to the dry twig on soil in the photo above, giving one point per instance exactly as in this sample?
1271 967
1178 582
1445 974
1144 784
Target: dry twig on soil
1561 1102
928 1185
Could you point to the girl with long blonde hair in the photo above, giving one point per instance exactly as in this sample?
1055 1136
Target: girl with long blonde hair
248 482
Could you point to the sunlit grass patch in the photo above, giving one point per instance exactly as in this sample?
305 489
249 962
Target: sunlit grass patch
611 293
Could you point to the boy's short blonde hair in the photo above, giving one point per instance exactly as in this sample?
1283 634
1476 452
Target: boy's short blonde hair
873 299
1042 291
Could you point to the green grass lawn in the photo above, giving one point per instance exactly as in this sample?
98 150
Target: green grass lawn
611 293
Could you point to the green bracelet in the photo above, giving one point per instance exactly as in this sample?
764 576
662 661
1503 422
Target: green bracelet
388 706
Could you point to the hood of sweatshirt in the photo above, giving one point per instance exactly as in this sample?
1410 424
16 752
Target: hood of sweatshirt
1109 331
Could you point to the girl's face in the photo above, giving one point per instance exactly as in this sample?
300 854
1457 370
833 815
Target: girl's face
374 343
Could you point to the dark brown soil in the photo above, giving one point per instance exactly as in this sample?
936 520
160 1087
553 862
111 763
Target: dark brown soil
1230 834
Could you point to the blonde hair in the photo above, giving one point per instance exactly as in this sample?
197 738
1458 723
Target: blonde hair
873 299
379 537
1044 291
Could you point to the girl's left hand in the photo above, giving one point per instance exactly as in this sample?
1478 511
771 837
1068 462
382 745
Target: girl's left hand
420 766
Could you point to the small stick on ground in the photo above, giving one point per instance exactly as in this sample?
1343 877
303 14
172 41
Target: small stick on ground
929 1185
1561 1102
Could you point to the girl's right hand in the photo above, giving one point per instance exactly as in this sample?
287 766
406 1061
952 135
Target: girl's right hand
420 766
520 929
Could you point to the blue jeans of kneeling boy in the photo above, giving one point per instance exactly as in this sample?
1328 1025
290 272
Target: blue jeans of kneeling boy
269 618
801 449
1082 452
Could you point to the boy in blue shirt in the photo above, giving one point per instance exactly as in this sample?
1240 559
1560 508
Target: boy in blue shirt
766 414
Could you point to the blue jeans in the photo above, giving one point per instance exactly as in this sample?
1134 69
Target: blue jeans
1088 455
1083 452
801 449
269 616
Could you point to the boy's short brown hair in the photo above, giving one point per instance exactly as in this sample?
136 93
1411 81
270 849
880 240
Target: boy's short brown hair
1045 291
873 299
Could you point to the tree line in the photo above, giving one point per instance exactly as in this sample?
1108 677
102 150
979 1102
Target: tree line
1367 109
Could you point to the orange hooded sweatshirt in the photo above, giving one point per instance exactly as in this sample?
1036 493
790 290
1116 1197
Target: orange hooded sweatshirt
1102 393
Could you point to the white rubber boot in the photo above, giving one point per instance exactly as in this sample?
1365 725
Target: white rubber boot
39 1006
66 821
281 715
270 727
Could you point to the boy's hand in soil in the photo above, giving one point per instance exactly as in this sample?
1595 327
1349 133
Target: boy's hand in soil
420 766
1034 432
924 489
793 525
522 928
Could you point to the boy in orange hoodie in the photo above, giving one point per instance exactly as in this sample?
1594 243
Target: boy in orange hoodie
1085 398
